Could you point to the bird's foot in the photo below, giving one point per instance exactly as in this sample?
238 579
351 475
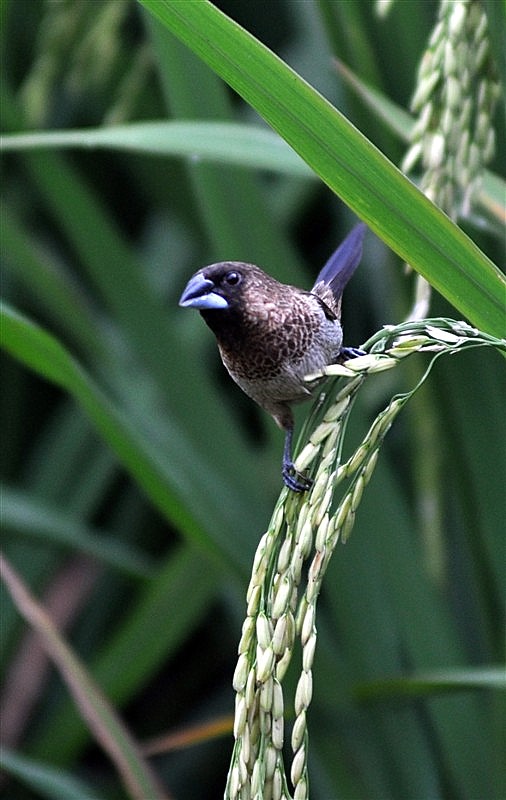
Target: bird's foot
350 352
295 480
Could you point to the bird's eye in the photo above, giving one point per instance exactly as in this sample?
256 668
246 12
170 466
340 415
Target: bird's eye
232 278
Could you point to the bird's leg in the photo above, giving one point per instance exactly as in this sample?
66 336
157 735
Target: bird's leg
293 479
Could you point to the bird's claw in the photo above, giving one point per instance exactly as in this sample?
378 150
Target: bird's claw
295 480
350 352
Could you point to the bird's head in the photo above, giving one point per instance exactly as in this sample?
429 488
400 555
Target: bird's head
219 286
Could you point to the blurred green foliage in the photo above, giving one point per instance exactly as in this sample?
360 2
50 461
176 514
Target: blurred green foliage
131 461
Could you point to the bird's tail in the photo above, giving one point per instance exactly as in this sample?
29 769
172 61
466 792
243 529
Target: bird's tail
342 263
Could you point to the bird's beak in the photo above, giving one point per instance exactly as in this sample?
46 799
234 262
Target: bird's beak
199 294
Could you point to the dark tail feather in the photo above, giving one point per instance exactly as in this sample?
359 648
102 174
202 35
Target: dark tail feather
342 264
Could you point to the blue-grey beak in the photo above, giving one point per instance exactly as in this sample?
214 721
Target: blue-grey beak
199 294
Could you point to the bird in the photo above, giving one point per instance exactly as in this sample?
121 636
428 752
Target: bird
271 335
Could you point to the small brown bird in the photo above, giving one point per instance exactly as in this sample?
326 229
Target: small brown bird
271 335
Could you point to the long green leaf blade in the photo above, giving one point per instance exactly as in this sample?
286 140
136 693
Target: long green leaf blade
345 160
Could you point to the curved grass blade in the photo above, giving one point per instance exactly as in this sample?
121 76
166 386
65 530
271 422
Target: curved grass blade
102 719
45 780
44 354
431 683
24 514
236 143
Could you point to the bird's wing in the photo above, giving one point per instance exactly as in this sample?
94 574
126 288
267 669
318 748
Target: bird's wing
340 267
